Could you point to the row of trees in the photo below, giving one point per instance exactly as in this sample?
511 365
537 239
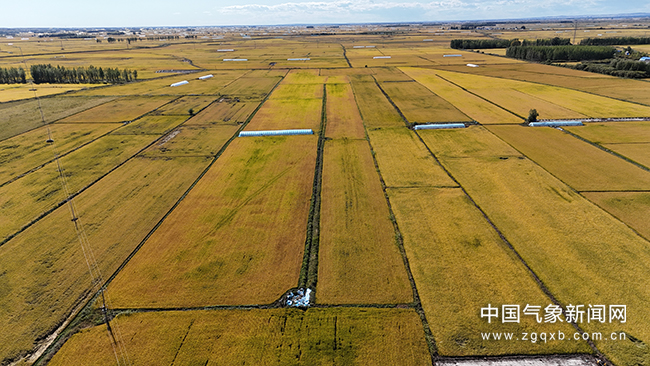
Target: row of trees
610 41
12 76
91 75
617 67
560 53
469 44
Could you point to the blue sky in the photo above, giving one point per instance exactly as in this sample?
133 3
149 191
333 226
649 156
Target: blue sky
129 13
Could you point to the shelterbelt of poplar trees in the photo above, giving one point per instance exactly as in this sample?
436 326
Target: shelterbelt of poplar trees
12 76
80 75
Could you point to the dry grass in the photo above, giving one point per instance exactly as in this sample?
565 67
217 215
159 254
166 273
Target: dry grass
220 113
277 114
420 105
237 238
29 150
343 118
575 162
120 110
461 265
359 261
375 109
404 161
198 140
44 271
21 116
613 133
343 336
26 198
476 108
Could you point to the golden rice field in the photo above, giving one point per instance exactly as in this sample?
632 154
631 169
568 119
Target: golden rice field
359 258
544 220
343 117
402 236
577 163
270 337
454 258
236 239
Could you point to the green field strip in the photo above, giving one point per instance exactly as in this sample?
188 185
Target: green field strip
230 337
24 116
545 220
27 152
578 163
45 276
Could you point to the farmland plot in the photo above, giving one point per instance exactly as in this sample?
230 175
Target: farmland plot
120 110
29 150
546 220
44 272
577 163
453 257
343 118
375 109
263 337
237 238
359 260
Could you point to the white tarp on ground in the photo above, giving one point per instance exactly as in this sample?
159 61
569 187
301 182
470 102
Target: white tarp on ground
276 132
438 126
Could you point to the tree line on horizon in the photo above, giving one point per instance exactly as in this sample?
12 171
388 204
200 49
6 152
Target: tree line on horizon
80 75
469 44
